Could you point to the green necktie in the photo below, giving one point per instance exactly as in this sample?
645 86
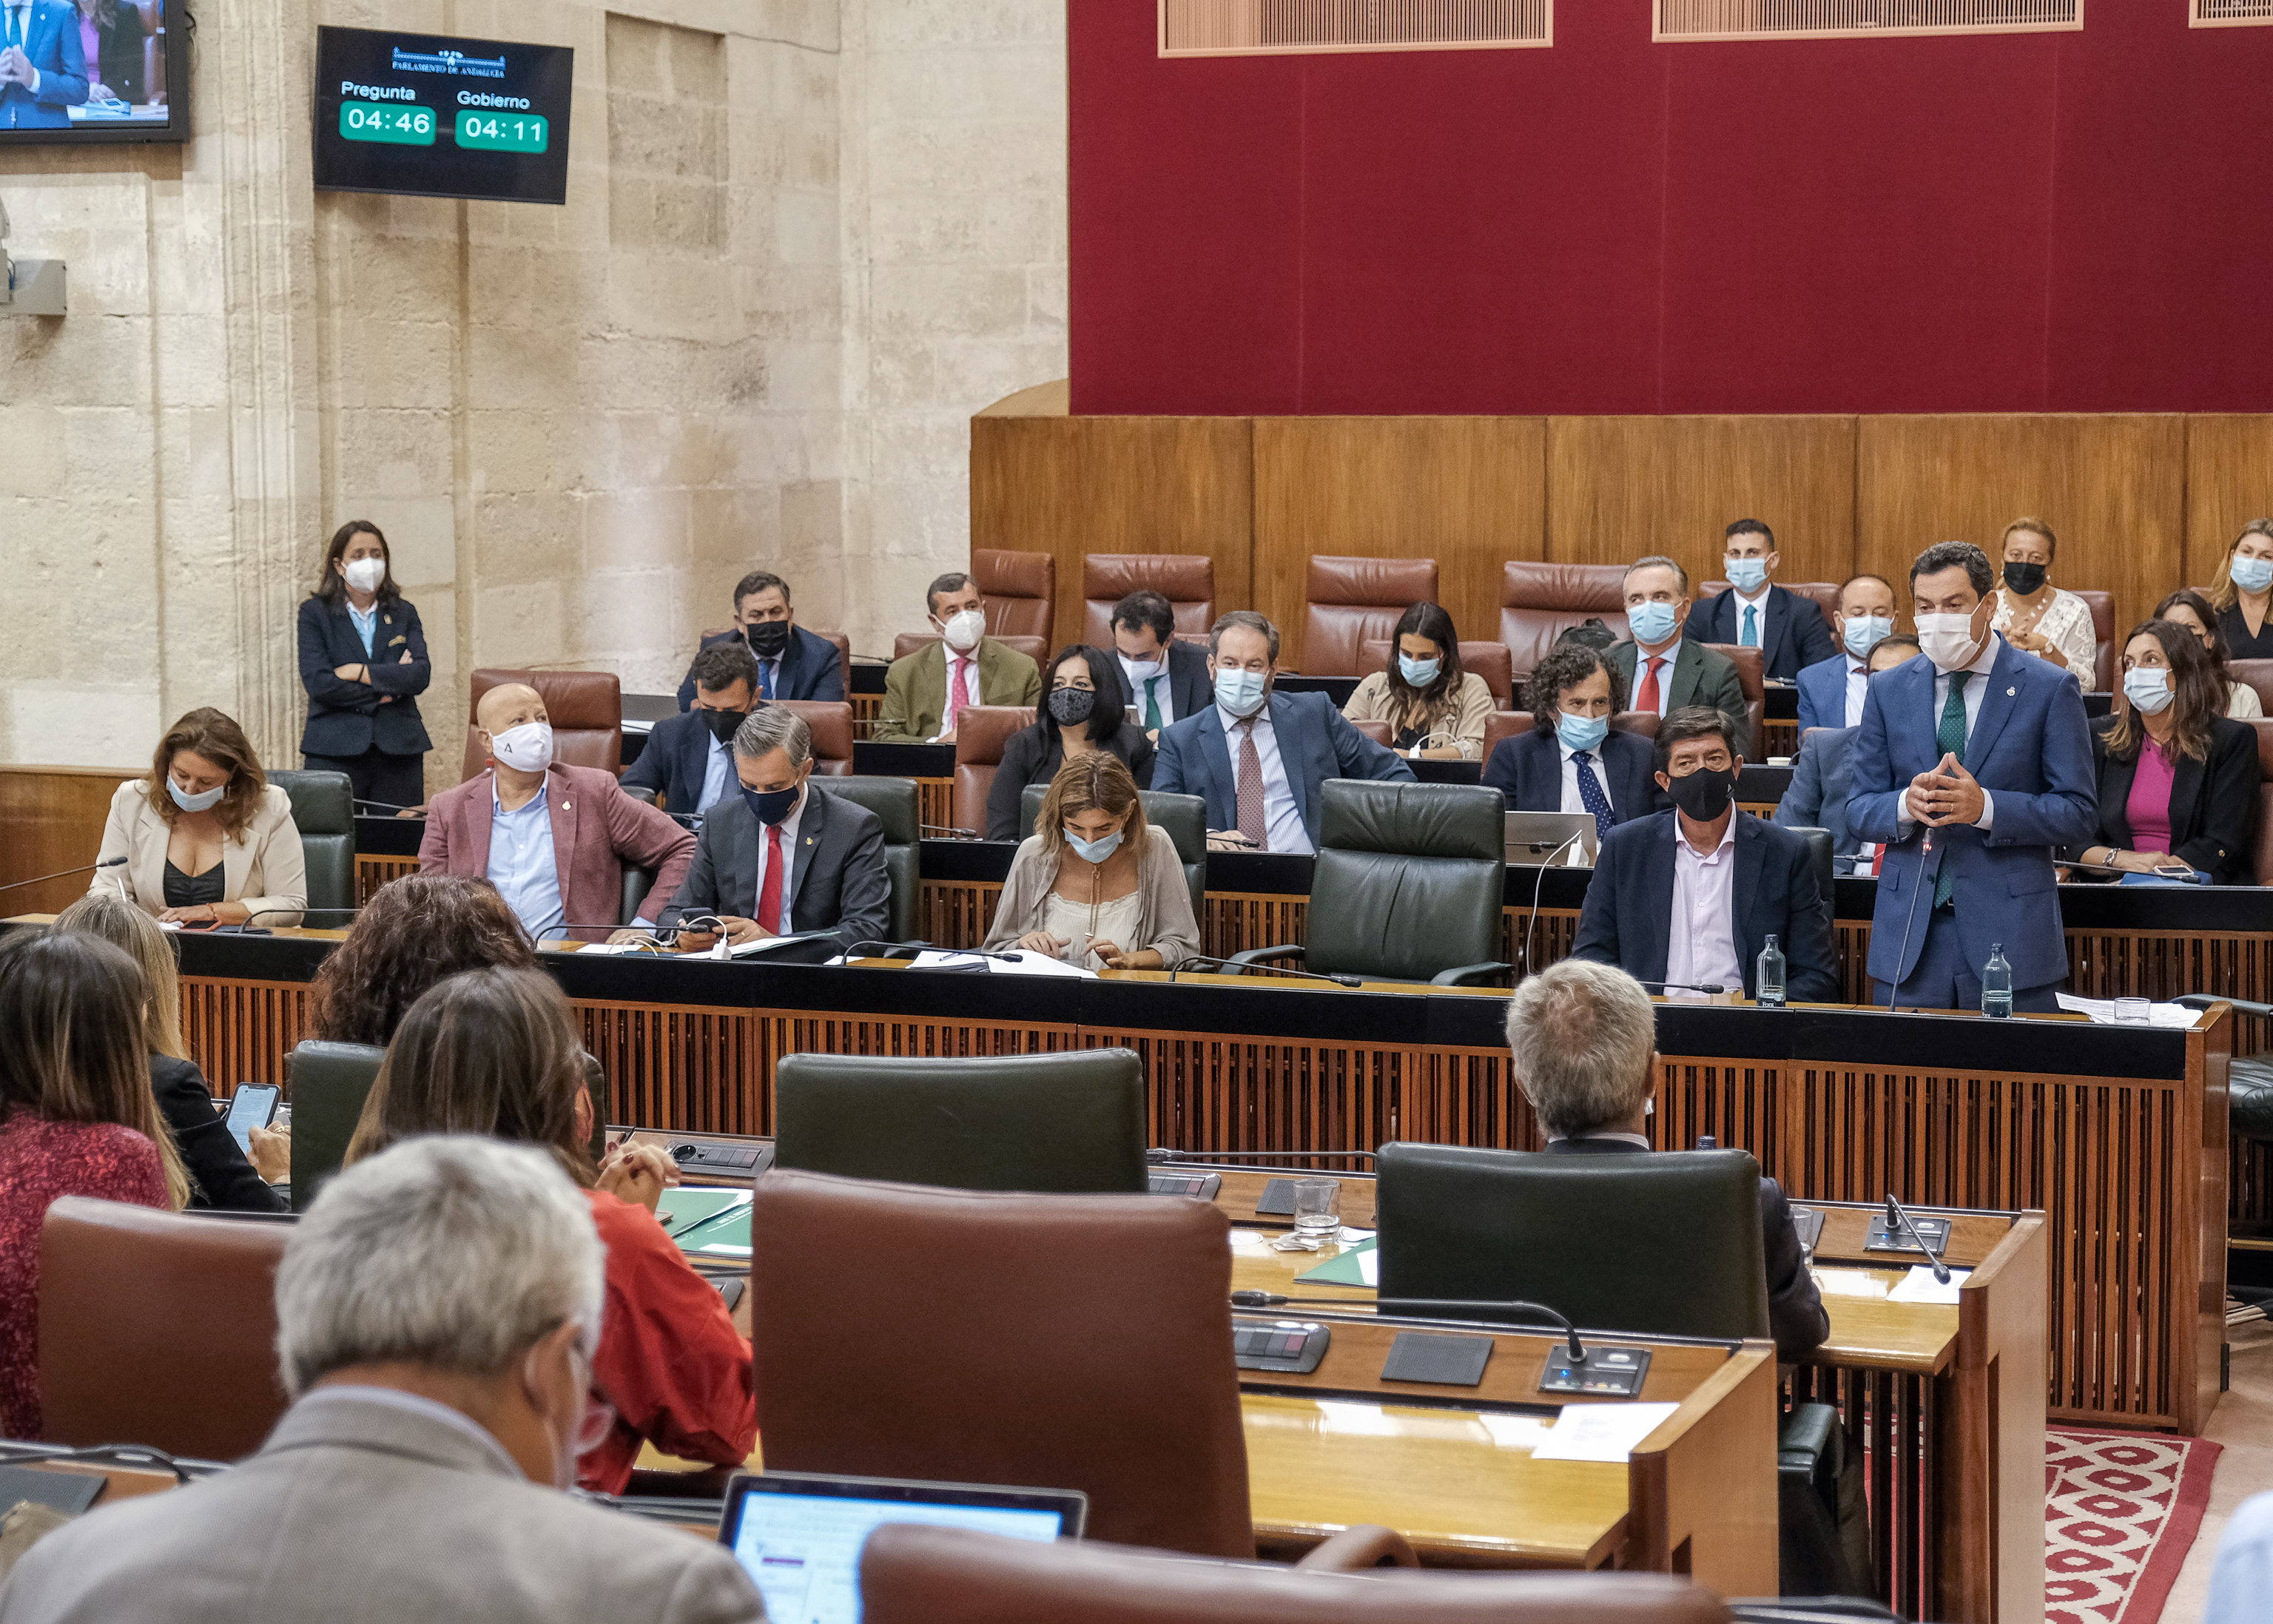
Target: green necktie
1949 740
15 36
1153 704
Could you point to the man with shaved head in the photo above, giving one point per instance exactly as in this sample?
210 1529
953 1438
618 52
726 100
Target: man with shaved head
552 839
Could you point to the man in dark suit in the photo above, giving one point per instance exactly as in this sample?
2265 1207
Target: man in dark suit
1169 679
1972 764
1665 671
1571 760
1258 757
689 759
1831 691
43 67
1755 613
792 663
1691 895
1816 796
1584 1041
783 855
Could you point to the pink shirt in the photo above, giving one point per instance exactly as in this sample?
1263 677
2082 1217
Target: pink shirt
90 45
2147 811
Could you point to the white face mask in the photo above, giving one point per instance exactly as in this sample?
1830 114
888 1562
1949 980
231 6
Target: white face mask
364 575
1141 671
963 631
525 749
1948 641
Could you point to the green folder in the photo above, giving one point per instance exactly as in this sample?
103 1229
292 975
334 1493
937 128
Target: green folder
694 1217
1343 1269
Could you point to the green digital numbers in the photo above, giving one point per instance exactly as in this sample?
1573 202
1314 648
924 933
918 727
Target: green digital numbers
402 124
502 132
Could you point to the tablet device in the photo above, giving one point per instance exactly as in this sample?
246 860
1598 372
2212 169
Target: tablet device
798 1535
253 1105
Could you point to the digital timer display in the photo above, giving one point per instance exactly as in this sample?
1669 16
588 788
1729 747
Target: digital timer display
377 121
501 132
442 118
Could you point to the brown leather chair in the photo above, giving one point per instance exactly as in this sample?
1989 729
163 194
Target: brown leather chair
1020 590
843 645
1641 722
971 1336
1504 724
159 1327
2264 851
1538 603
1489 661
2101 675
911 1574
1752 675
1823 593
1035 649
1349 600
1379 732
2256 673
587 709
831 722
978 740
1185 580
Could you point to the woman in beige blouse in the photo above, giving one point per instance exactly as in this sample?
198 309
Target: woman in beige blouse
206 839
1095 883
2037 616
1433 708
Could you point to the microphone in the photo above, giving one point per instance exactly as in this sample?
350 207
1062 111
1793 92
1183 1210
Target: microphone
1160 1154
65 873
1311 975
1894 1216
1925 849
1274 1299
1712 987
390 806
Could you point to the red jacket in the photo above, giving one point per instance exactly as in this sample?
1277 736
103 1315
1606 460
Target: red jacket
670 1359
595 829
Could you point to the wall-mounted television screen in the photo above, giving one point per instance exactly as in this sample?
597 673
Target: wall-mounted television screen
440 117
94 70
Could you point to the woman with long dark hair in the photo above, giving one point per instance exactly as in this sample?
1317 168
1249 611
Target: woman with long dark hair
1433 708
1084 707
2190 609
363 661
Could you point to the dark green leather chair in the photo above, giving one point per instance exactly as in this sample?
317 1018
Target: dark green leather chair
326 1084
637 881
1183 818
1417 873
1061 1123
894 801
1668 1244
1827 872
2249 1078
323 809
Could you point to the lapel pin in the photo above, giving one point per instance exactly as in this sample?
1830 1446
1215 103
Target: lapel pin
2009 693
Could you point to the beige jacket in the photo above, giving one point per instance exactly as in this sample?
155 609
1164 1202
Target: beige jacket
262 868
1471 708
1164 920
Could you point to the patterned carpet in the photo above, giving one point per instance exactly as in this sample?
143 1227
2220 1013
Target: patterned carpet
2120 1511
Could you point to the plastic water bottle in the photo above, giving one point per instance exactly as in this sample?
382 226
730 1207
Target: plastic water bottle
1997 984
1768 977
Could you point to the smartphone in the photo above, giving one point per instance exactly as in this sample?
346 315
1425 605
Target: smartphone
253 1105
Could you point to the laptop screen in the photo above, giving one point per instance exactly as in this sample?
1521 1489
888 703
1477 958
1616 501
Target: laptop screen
799 1535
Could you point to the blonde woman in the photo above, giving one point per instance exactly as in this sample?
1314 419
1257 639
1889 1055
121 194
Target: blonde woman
220 1176
2243 591
1095 883
206 839
2035 616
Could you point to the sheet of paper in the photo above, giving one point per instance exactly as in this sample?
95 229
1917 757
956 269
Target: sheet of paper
1920 1286
2102 1011
1018 962
1600 1431
1368 1269
726 1248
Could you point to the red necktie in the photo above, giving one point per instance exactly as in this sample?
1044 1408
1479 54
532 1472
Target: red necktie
1878 860
1647 699
959 696
769 888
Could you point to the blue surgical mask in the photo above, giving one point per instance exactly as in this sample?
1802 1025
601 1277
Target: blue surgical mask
1581 732
1864 632
1652 622
1419 673
771 806
2251 575
1746 574
1093 850
1239 692
204 800
2148 689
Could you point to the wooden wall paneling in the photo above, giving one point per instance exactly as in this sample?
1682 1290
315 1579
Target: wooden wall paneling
1619 488
2228 483
53 818
1469 492
2112 487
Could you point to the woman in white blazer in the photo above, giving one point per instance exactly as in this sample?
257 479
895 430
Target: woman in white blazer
206 838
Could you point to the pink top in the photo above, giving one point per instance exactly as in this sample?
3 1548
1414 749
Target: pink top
2148 811
90 45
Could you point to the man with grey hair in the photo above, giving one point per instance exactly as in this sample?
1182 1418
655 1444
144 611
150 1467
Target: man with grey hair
436 1313
783 855
1583 1037
1665 671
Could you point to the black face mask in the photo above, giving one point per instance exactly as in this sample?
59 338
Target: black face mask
1703 795
769 638
1071 707
724 724
2024 578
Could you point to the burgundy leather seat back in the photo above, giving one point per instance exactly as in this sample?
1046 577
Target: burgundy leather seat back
1185 580
1823 593
1538 603
2101 675
1489 661
1752 675
1035 649
1350 599
2256 673
831 722
1020 589
1643 722
1504 724
586 709
1379 732
1076 1341
159 1327
979 741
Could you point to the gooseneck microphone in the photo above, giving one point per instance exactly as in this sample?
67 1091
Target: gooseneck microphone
1925 851
64 874
1276 970
1896 1217
1274 1299
1712 987
388 805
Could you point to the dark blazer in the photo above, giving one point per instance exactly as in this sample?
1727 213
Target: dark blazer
2233 626
837 883
1823 692
675 761
1817 797
1793 638
2213 803
1628 918
2031 749
1698 677
51 43
808 668
1527 769
120 53
347 718
1190 689
1316 743
1796 1315
1033 755
220 1176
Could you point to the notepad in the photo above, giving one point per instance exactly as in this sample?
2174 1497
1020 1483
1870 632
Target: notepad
1357 1265
1600 1431
1920 1286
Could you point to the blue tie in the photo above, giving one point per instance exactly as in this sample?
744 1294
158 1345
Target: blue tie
1591 797
1751 632
765 679
15 31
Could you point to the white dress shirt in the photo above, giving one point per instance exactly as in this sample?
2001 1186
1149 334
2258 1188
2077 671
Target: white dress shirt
1858 688
1571 800
789 827
1758 604
1975 691
1702 945
1282 819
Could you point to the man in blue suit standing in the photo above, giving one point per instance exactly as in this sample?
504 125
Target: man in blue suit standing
794 663
1258 757
1973 761
1831 691
1755 613
42 70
